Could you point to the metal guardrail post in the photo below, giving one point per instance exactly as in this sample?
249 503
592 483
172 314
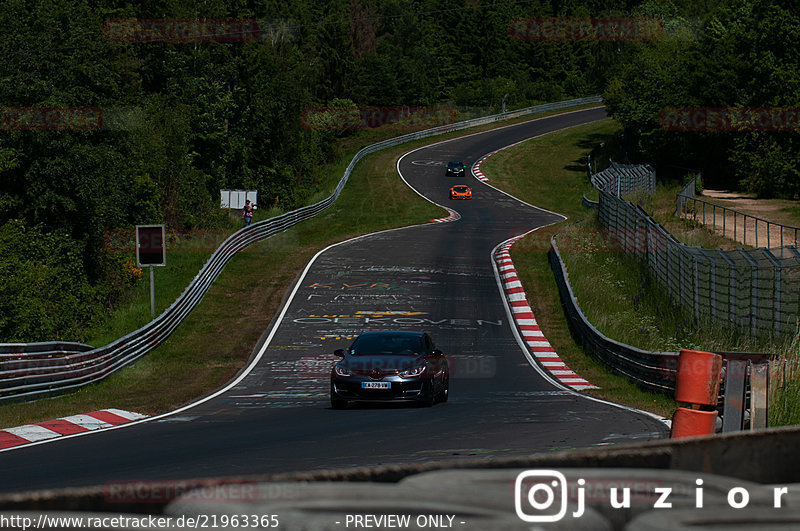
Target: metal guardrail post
759 393
734 406
743 369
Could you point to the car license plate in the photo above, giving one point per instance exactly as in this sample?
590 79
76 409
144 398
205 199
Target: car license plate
375 385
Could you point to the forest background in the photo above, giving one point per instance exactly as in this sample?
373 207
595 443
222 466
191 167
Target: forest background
184 118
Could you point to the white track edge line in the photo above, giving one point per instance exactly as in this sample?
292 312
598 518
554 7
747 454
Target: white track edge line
249 368
519 339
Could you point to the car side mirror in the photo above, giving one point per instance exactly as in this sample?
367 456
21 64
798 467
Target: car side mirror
339 352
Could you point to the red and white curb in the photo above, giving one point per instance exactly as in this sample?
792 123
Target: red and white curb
49 429
454 216
537 344
476 168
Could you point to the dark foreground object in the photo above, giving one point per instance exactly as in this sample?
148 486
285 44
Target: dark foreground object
729 481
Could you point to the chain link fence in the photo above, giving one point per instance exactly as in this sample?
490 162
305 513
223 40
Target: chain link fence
754 290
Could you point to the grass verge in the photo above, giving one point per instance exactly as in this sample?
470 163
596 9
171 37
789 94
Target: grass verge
615 291
188 254
218 337
550 172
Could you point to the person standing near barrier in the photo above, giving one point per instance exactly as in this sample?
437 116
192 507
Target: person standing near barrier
247 213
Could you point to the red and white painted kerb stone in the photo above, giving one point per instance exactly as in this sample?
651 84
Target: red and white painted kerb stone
454 216
476 168
49 429
534 339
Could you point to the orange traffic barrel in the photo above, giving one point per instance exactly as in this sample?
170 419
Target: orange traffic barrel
693 422
697 379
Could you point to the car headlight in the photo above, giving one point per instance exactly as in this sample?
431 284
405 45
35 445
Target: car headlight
415 371
341 371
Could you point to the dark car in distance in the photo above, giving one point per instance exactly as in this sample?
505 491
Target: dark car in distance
383 366
455 168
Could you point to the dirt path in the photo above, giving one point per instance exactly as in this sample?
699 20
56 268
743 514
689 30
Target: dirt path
747 229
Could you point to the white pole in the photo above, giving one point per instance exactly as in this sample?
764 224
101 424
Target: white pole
152 293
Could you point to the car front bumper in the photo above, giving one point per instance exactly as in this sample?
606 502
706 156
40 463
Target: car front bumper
401 389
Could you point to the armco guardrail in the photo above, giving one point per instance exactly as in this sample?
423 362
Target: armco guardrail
651 370
44 370
746 381
45 348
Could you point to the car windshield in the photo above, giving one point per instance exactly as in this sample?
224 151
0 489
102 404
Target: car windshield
454 164
460 188
397 344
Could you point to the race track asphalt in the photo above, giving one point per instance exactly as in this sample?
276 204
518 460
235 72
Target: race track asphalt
436 277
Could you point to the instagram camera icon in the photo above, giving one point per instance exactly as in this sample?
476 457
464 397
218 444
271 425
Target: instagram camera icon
540 490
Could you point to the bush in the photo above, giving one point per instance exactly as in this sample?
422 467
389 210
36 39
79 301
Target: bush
45 294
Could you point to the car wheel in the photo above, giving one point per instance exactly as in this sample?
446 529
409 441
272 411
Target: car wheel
429 398
336 402
445 393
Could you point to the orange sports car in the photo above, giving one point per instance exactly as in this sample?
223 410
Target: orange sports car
461 191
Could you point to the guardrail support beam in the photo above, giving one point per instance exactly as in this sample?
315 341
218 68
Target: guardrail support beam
733 410
759 386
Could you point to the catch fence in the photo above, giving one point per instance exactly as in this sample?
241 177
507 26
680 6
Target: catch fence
753 290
